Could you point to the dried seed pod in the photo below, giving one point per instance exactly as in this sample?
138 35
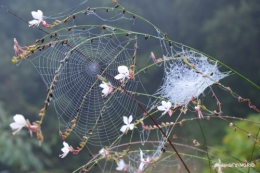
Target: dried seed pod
146 36
66 20
249 135
103 27
39 136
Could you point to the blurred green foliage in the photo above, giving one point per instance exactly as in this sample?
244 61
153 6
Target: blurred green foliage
18 152
237 147
226 30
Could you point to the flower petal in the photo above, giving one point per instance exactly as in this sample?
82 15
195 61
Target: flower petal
65 144
103 85
105 91
161 108
34 23
123 69
18 118
119 76
15 126
37 15
120 165
64 154
169 105
141 155
123 128
141 167
130 119
65 149
125 119
101 151
131 126
164 103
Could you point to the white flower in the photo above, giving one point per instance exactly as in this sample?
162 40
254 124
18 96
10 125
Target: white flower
103 152
18 124
65 149
166 107
127 125
123 73
141 166
38 18
121 166
143 161
106 89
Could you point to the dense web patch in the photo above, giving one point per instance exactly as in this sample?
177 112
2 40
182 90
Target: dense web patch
182 82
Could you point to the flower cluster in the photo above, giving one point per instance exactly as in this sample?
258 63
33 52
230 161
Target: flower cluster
123 74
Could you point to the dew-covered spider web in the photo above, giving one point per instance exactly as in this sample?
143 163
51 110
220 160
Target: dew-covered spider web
77 91
86 52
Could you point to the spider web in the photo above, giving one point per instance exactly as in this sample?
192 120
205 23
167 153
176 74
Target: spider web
74 62
78 86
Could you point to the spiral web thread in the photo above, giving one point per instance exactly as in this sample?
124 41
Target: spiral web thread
71 63
76 79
